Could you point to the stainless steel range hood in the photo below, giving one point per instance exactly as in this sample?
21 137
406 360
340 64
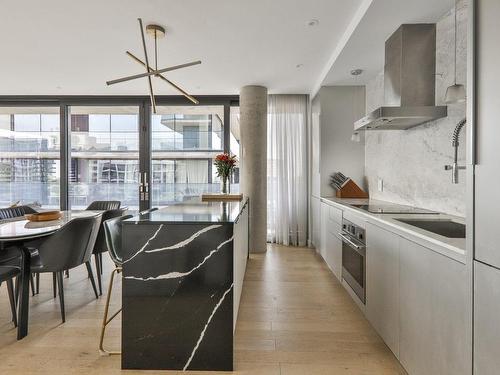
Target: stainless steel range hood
409 81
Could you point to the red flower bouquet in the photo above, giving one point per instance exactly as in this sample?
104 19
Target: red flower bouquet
224 163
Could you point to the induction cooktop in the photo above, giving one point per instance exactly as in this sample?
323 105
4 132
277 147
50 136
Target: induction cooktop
392 209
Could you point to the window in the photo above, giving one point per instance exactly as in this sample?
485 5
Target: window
29 156
184 142
104 156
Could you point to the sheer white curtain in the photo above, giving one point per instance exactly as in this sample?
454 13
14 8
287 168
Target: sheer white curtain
287 169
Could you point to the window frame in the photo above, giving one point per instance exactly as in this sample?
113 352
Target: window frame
65 103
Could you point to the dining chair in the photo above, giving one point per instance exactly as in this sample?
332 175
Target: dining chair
69 247
12 213
104 205
101 245
10 268
113 233
16 211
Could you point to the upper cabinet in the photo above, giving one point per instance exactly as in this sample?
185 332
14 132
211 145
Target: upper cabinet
487 176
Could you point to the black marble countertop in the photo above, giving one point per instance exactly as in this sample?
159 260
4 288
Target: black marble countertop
193 211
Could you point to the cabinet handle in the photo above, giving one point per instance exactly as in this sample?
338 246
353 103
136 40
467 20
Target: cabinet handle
350 242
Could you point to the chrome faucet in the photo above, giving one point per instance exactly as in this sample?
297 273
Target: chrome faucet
454 142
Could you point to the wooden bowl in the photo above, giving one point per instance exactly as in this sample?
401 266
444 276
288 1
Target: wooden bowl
44 216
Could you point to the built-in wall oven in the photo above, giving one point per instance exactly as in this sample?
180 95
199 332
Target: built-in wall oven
354 257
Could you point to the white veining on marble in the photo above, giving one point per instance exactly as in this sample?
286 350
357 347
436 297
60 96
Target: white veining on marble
186 241
145 245
200 339
175 274
411 162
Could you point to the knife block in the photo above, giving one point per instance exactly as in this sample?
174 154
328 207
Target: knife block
351 190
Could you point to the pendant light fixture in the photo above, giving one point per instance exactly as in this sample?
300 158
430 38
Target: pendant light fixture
456 92
156 31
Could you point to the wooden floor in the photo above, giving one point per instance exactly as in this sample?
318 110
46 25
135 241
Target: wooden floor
295 318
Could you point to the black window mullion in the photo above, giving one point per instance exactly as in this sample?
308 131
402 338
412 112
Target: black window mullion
145 152
65 155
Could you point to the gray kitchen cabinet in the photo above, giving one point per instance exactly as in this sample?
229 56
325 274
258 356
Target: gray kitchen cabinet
486 327
239 259
324 213
486 182
316 222
334 252
433 302
331 245
487 178
382 284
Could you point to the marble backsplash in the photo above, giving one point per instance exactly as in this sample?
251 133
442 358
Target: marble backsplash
411 162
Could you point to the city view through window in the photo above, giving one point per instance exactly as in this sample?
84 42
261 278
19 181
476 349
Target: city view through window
105 153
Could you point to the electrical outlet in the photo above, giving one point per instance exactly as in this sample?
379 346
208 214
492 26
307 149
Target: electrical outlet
380 184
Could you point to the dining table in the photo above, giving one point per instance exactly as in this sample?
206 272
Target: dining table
19 232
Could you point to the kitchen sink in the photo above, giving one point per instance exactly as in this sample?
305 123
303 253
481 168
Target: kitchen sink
443 227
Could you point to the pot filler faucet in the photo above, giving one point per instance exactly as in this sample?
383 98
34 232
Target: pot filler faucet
454 142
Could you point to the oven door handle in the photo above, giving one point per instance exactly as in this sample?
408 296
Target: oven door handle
351 243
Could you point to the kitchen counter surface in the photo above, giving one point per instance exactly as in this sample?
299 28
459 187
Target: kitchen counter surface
193 211
451 247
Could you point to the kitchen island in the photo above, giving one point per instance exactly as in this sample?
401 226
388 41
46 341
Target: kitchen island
183 272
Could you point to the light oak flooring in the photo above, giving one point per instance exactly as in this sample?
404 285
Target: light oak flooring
295 318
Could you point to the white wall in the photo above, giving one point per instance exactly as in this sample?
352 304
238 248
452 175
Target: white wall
340 107
411 162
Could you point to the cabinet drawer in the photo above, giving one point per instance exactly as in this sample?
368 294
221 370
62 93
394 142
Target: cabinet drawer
335 215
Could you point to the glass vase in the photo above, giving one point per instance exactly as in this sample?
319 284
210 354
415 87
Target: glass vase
224 183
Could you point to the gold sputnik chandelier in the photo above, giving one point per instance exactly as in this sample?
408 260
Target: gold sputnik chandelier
157 32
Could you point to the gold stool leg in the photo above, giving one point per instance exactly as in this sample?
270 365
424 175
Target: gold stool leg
105 320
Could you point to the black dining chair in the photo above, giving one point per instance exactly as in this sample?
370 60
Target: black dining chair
16 211
69 247
113 233
10 268
12 213
101 246
104 205
112 209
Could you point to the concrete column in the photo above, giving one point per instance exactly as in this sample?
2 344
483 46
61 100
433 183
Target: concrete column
253 163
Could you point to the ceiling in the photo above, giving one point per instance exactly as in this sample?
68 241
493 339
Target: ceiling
60 47
365 46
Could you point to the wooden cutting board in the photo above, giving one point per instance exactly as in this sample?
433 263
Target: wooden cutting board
44 216
221 197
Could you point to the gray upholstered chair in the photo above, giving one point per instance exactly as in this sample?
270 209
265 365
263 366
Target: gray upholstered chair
104 205
113 232
69 247
10 268
13 212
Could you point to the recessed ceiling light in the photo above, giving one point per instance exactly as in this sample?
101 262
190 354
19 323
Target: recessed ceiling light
313 22
356 72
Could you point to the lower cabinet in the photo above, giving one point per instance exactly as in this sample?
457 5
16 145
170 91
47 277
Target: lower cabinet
382 284
330 244
417 300
434 312
486 319
240 251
